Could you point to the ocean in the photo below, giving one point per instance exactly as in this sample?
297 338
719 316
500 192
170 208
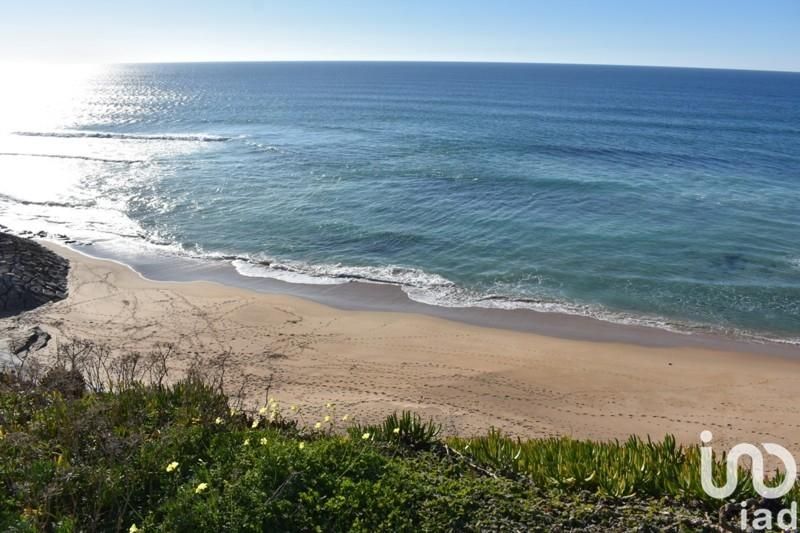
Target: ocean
657 196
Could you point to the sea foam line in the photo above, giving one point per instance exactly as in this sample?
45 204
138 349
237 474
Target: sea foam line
81 157
132 136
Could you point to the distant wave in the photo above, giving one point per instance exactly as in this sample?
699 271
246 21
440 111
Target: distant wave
46 203
626 156
261 147
134 136
82 157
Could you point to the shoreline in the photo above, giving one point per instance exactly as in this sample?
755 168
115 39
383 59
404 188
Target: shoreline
386 297
467 377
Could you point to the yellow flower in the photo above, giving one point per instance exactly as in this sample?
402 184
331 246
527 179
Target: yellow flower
318 425
263 411
345 418
328 405
218 421
255 423
247 442
201 488
263 441
302 445
293 408
172 466
327 418
365 436
233 412
133 529
30 512
396 431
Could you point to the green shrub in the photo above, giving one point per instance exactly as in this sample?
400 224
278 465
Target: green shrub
407 430
178 459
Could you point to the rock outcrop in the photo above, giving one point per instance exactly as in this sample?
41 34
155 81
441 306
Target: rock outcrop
30 275
16 342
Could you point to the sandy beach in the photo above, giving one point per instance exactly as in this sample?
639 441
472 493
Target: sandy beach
466 377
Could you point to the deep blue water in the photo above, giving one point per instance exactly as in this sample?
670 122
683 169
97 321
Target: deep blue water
667 196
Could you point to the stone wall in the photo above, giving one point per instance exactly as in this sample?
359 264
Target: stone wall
30 275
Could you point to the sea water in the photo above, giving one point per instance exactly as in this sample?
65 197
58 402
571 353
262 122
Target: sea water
646 195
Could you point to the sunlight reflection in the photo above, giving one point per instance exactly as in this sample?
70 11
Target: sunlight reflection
37 96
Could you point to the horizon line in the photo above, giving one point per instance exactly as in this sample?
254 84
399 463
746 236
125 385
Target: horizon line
430 61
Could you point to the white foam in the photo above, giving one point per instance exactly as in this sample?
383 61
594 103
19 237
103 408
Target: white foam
66 134
253 270
67 156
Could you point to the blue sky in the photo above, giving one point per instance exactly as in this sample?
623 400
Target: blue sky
757 34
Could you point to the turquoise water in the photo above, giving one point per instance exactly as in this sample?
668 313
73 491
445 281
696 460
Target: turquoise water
661 196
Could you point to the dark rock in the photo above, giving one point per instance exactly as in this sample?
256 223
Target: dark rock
27 340
30 275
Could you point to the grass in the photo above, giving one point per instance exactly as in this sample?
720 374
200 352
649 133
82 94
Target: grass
177 458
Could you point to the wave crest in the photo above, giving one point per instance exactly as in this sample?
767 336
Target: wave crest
199 137
81 157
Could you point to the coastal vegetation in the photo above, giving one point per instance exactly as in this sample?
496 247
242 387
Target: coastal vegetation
87 444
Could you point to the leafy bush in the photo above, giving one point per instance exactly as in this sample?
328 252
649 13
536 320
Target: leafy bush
613 468
407 430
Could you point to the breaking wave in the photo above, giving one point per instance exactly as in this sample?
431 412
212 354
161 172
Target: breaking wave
200 137
81 157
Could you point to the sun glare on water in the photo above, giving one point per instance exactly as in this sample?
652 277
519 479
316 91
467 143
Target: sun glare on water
43 97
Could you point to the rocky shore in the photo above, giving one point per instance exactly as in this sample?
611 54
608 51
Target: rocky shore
30 275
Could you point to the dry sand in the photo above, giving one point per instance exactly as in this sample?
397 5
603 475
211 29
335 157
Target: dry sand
466 377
